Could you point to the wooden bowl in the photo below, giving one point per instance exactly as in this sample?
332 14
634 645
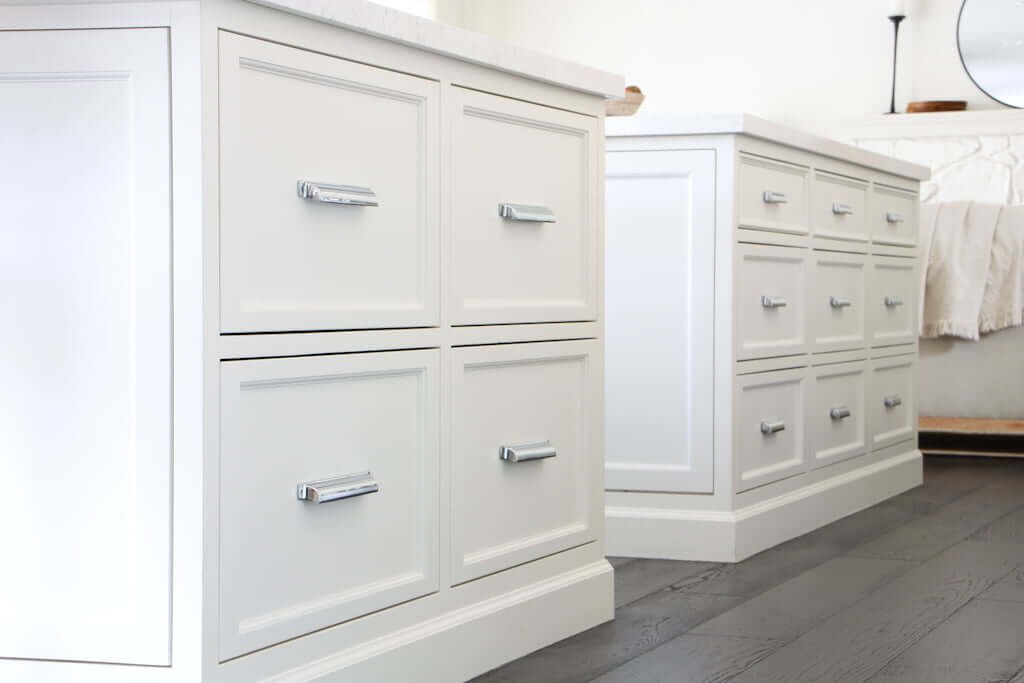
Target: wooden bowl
936 105
625 106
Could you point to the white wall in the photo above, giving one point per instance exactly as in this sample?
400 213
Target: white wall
815 64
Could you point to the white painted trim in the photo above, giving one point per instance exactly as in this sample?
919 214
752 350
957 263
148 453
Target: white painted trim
745 124
724 536
417 652
941 124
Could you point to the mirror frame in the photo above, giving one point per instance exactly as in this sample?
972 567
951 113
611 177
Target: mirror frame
960 54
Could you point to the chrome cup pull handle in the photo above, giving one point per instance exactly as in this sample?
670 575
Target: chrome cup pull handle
773 301
839 413
839 302
524 452
770 197
892 301
893 217
840 209
337 488
346 195
526 213
892 401
772 426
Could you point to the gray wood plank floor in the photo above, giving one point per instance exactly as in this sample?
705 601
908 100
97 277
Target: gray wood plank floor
928 586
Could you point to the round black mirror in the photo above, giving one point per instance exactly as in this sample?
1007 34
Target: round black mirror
990 36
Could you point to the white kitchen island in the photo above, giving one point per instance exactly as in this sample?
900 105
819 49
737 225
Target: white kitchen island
276 407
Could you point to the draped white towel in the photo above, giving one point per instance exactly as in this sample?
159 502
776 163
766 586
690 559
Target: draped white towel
958 269
1003 302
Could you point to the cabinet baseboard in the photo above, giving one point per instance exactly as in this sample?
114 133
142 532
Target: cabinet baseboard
723 536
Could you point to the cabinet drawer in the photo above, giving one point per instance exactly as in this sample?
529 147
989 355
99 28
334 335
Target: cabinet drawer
893 217
290 566
768 440
772 195
523 212
836 421
892 301
771 296
526 453
339 258
891 401
839 208
836 301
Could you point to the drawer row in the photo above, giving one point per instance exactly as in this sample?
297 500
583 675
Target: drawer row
791 301
783 197
792 421
342 218
339 492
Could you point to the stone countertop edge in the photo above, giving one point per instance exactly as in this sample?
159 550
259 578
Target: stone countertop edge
753 126
452 41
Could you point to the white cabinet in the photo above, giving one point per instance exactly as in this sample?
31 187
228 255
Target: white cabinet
85 403
761 334
303 371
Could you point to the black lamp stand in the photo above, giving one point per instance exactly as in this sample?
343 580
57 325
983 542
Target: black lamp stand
895 19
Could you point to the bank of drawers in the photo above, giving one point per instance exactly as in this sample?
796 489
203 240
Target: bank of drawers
825 268
332 218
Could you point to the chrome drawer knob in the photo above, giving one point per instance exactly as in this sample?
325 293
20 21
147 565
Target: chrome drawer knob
840 209
839 413
537 450
772 426
892 401
337 488
770 197
773 301
839 302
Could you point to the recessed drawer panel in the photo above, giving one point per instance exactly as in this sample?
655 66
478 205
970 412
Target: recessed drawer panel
328 491
836 301
893 217
836 421
839 208
523 213
526 453
892 301
769 427
772 195
329 194
771 296
891 401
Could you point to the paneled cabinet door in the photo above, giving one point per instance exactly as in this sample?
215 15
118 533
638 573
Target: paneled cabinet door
329 200
85 355
525 224
525 453
659 308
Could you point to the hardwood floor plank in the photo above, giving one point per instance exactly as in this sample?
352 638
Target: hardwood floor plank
758 573
635 580
856 643
793 608
1007 529
692 659
1011 587
638 628
926 537
983 641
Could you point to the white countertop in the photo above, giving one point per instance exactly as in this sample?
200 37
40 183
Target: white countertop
746 124
391 24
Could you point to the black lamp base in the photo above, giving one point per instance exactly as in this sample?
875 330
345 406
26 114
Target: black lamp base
895 19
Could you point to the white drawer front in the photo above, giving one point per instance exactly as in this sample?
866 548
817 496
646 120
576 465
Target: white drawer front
891 401
836 419
772 195
839 208
771 295
289 263
289 566
768 440
892 301
536 165
542 401
836 301
893 217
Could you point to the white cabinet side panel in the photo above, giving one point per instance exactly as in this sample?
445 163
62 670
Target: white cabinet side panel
85 358
660 218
